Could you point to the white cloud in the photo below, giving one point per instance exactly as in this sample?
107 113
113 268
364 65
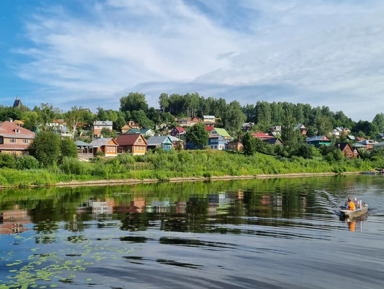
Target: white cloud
321 52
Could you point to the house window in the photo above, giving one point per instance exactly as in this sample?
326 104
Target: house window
13 140
25 140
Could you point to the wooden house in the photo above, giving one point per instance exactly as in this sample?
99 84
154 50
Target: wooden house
347 150
235 146
178 131
130 125
318 140
217 142
106 145
133 143
163 142
14 139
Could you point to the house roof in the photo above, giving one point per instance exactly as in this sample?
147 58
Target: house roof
209 128
174 139
379 144
80 143
222 132
273 141
261 135
101 142
156 140
129 139
317 138
342 145
9 129
179 129
133 131
103 122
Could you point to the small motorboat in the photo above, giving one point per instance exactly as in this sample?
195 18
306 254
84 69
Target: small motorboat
363 209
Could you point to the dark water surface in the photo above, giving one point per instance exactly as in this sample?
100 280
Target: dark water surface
282 233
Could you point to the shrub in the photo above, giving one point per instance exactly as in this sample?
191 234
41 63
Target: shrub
7 161
27 163
73 166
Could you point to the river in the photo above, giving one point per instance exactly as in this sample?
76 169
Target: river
275 233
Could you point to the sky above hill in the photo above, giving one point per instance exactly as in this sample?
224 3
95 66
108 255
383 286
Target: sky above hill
90 53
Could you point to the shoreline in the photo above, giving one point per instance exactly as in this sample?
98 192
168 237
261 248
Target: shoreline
193 179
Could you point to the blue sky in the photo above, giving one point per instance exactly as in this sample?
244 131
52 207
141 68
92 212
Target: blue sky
90 53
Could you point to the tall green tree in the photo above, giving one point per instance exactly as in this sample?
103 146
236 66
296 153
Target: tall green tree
378 120
68 148
249 144
46 148
289 131
141 118
197 135
133 101
263 115
233 117
164 101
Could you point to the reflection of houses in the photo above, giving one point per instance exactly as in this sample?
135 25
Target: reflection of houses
12 221
137 205
159 207
14 139
107 146
96 206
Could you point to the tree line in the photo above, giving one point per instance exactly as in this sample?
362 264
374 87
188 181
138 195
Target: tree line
264 115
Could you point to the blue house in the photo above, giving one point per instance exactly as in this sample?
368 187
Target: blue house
217 142
163 142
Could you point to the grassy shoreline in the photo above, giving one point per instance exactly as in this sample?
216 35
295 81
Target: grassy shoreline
177 167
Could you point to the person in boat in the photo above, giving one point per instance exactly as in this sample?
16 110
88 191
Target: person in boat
350 205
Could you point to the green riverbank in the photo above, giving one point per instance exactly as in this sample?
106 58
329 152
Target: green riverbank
177 166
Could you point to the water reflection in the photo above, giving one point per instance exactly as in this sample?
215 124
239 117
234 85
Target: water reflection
221 229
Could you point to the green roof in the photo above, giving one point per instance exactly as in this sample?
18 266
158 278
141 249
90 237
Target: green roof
222 132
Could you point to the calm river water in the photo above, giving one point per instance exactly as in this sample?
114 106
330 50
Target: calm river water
280 233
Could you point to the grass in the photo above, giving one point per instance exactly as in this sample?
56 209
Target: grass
163 166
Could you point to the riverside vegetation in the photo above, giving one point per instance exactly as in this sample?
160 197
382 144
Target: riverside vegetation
161 165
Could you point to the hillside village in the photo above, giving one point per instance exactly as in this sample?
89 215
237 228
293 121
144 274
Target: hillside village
104 140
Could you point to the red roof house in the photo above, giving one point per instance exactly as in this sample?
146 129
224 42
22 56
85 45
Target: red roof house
14 139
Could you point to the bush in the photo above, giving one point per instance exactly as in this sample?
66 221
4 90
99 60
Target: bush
73 166
7 161
27 163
